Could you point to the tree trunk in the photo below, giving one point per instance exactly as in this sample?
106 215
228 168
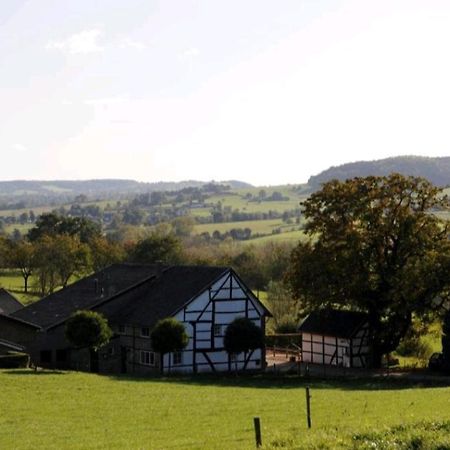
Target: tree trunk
385 336
25 287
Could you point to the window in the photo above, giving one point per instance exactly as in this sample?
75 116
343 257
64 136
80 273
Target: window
145 332
147 358
217 330
46 356
121 329
61 355
233 357
177 358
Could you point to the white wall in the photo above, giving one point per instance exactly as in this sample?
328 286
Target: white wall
224 301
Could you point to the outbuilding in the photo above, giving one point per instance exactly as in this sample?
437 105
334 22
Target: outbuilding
336 337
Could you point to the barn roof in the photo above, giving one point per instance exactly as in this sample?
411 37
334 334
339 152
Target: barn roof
165 295
85 293
333 322
125 293
8 302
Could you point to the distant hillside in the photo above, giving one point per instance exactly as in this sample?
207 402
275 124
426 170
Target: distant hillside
436 170
26 193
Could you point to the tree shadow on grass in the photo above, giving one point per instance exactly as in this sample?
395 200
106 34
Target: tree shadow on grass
39 372
264 381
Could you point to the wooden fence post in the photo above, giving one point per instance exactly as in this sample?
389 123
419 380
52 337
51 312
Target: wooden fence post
308 407
257 424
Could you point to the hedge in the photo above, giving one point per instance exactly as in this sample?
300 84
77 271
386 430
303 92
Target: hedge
283 340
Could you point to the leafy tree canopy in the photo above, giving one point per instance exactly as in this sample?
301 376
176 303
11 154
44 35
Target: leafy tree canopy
157 247
169 335
376 247
88 329
242 335
52 224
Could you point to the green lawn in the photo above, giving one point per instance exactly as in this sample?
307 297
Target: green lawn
12 280
78 411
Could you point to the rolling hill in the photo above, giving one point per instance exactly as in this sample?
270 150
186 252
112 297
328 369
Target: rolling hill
436 170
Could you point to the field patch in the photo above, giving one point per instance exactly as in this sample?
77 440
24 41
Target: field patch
55 410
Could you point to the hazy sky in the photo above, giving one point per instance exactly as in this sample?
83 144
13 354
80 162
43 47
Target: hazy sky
269 92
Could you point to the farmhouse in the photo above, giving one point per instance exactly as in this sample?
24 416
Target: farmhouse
339 338
133 298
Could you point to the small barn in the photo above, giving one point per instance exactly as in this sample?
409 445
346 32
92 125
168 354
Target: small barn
8 303
335 337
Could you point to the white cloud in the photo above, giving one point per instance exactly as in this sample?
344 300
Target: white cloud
130 43
105 101
190 53
20 148
85 41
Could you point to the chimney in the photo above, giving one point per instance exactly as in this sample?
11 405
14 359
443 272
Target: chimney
96 285
159 268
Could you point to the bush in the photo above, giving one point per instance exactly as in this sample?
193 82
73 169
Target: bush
14 360
287 326
242 335
414 346
169 335
87 329
278 340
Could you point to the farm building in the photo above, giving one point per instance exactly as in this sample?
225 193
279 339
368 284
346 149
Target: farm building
133 298
339 338
8 303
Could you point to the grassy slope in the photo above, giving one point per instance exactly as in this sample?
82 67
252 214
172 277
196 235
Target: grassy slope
75 410
13 282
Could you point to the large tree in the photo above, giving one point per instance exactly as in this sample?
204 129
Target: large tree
375 246
57 259
22 255
52 224
157 247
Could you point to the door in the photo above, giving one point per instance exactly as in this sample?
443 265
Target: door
94 361
123 360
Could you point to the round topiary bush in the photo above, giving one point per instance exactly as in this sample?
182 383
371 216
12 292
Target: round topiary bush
87 329
242 335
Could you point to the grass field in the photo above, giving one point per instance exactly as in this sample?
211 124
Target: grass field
257 226
79 411
13 282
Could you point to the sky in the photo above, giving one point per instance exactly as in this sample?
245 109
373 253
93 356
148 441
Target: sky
268 92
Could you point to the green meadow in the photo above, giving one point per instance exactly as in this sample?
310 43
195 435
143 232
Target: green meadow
66 410
12 280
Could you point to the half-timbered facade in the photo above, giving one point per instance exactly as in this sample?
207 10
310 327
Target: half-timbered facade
207 317
333 337
133 298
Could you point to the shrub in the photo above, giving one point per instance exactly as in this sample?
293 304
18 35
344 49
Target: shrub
169 335
414 346
242 335
287 326
88 329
